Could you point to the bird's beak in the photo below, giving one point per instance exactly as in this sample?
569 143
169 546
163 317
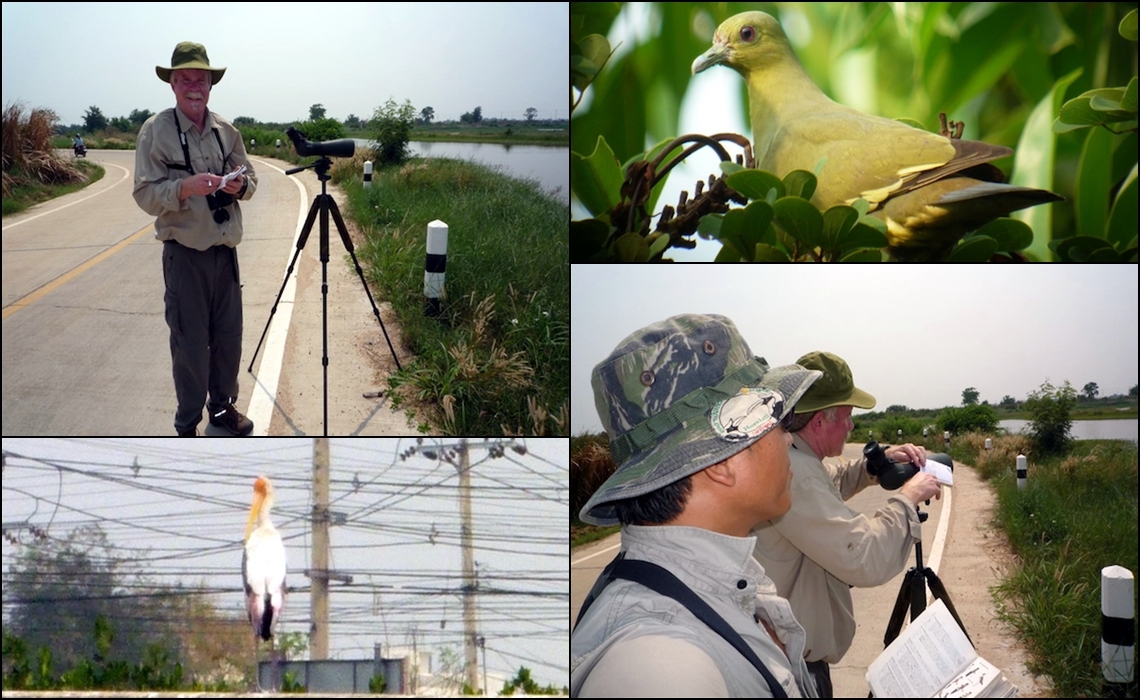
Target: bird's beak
255 509
719 54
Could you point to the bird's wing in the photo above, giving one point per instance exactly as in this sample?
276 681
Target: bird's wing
870 157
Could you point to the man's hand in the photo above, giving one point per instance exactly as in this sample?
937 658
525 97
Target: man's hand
921 487
908 453
234 185
201 185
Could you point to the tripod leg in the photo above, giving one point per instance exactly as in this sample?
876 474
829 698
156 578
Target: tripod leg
296 253
902 604
940 593
340 227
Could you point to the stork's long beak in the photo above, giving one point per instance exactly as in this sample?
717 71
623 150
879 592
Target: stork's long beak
254 511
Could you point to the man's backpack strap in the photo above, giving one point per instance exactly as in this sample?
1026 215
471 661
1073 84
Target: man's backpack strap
660 580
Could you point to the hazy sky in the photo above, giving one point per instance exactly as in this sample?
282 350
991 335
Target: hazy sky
280 59
180 517
914 335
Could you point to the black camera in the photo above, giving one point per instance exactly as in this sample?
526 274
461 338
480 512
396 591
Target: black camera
891 474
216 202
341 148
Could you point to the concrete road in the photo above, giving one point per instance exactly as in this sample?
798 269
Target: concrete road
958 544
86 347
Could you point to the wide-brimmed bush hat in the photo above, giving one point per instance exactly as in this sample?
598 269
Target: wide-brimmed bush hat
679 396
190 55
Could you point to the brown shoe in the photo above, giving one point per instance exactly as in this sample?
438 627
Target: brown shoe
231 420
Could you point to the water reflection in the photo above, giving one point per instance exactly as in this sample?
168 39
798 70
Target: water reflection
547 164
1088 429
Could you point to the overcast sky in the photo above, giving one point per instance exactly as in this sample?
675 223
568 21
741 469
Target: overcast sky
915 335
282 58
180 517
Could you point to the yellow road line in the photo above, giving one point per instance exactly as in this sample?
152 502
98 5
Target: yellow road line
74 272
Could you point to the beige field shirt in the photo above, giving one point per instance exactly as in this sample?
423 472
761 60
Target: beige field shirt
634 642
820 548
189 221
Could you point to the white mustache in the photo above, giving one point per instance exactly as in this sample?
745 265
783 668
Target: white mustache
194 95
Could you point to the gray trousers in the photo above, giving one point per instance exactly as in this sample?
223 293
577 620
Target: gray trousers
203 311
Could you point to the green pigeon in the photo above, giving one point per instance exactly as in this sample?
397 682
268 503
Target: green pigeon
928 188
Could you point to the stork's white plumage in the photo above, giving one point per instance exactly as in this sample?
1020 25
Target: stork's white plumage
263 563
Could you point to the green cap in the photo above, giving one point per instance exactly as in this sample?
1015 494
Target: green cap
834 388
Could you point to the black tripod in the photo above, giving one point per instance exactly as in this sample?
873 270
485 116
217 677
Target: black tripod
912 593
324 203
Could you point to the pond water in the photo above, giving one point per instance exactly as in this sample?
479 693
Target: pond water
1087 429
547 164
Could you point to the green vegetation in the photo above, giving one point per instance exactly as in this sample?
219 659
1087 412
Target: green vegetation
1076 516
498 359
33 171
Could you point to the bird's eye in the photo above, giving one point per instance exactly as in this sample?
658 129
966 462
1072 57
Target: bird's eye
748 34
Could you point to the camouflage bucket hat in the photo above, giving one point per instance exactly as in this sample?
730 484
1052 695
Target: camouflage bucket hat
679 396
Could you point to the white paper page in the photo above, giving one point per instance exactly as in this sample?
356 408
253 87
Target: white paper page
231 176
928 653
943 473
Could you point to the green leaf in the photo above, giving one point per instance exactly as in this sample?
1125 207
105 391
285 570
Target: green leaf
755 184
596 180
1010 234
800 183
1033 164
1093 183
865 234
1079 248
974 249
767 253
837 221
749 226
1122 220
1127 27
587 238
1129 100
727 254
631 248
863 255
800 220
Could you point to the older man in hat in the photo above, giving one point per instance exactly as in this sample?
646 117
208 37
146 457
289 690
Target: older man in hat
697 427
821 547
180 160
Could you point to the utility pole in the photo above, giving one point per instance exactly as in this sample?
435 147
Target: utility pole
459 455
319 572
469 582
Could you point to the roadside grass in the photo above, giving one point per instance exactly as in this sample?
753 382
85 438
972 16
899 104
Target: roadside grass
33 171
1077 515
497 361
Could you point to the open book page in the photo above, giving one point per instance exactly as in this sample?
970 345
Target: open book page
923 659
974 682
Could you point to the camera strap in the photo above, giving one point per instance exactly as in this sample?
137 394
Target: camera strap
660 580
186 148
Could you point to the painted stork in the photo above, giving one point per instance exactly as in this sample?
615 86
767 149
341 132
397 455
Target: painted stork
263 563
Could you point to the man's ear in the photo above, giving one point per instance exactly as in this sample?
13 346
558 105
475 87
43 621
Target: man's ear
722 473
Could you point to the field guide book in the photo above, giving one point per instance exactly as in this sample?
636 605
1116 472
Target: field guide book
932 658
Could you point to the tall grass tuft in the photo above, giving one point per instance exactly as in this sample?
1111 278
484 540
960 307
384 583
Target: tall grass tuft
497 360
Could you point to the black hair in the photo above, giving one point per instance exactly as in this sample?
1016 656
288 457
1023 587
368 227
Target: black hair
656 507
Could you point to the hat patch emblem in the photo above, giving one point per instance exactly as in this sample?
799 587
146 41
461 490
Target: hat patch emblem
752 412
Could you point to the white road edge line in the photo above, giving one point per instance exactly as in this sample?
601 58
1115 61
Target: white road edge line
264 396
126 174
